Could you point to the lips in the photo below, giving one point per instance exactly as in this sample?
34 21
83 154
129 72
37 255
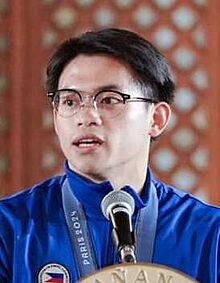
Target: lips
89 141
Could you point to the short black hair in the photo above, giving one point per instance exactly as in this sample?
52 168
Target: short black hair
148 65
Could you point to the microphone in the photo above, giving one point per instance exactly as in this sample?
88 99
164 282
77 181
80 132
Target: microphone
118 207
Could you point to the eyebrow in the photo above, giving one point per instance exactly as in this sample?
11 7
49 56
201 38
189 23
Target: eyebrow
100 88
110 86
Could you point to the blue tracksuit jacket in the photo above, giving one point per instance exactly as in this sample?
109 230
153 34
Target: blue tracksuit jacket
34 235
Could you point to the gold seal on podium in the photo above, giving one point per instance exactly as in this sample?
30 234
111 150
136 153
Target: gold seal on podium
137 273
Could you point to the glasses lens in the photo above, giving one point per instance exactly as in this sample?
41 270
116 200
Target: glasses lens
67 103
109 103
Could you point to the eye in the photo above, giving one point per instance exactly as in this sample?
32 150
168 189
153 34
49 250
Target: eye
68 99
109 98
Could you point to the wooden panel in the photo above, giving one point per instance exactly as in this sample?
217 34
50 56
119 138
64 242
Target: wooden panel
4 90
214 100
36 27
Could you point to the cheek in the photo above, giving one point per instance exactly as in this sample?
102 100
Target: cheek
139 119
62 131
129 132
135 132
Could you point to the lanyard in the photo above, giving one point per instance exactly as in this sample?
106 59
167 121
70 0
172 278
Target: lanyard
145 230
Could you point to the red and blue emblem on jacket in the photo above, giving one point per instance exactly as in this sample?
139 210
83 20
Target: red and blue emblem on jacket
55 278
53 273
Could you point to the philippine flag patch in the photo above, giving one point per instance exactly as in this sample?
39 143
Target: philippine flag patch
53 273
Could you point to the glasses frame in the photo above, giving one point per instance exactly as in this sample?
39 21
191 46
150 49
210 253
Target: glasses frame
126 97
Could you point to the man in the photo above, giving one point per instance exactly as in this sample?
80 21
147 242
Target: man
111 92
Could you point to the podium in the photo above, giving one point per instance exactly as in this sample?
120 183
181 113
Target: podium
137 273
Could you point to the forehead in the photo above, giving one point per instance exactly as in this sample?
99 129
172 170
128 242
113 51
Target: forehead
92 71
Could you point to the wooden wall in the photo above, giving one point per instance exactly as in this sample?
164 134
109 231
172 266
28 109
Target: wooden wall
187 32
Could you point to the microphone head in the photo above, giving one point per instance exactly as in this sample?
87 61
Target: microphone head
117 198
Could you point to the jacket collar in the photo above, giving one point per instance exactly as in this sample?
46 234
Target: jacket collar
90 194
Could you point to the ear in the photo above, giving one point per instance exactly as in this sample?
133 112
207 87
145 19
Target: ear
160 118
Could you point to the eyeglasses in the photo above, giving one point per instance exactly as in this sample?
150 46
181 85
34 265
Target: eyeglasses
109 103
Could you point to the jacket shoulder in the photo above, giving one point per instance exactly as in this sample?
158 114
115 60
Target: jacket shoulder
184 203
25 203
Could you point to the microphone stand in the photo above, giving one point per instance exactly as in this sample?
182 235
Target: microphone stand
127 254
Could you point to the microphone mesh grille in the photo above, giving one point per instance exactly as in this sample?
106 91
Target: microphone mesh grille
114 198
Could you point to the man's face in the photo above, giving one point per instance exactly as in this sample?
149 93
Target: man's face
94 145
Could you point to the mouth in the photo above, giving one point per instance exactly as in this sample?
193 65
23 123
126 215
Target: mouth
88 143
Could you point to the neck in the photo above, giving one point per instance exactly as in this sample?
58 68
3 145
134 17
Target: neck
119 176
134 177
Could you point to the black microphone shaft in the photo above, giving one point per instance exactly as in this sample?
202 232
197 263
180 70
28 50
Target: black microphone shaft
122 233
122 226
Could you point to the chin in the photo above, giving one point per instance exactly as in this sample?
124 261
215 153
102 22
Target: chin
87 169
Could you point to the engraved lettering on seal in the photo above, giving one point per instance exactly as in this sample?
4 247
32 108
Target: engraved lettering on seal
138 273
165 279
119 276
142 277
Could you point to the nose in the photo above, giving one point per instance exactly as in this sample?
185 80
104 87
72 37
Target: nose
89 116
